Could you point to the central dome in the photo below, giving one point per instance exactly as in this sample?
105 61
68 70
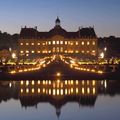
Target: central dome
57 21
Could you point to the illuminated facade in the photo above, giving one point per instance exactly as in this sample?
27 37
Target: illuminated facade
57 41
58 88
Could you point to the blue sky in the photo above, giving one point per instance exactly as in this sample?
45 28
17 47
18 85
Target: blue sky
102 14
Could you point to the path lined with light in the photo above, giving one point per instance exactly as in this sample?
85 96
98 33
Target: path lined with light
78 66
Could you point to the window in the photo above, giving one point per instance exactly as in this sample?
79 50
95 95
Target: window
53 49
65 42
38 51
83 51
88 51
21 43
21 51
27 43
88 43
76 43
38 44
43 44
33 51
49 43
32 43
61 49
61 42
71 43
83 43
27 51
93 42
57 42
76 51
53 42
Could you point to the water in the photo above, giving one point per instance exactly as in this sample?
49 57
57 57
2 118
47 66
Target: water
57 99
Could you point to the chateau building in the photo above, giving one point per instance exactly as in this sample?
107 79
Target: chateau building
57 41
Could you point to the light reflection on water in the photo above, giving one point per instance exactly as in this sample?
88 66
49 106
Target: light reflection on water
52 99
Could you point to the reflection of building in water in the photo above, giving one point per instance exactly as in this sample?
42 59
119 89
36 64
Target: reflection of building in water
57 93
58 88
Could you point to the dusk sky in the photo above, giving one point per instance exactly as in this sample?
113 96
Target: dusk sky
102 14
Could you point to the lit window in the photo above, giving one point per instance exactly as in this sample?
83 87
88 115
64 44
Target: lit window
53 49
57 42
66 51
83 43
76 51
93 51
61 49
38 90
88 43
27 51
94 90
38 44
76 43
33 51
27 90
21 51
88 90
83 90
43 44
32 43
88 51
38 51
33 90
49 51
49 43
93 43
61 42
83 51
71 43
27 43
65 42
21 43
53 42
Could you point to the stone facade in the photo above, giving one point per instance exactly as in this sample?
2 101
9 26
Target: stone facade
57 41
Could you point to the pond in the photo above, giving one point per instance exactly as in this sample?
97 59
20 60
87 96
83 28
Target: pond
60 99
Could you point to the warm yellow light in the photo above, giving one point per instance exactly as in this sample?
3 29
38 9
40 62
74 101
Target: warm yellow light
21 82
57 91
27 90
71 90
76 82
27 82
13 55
93 82
38 81
94 91
38 90
21 52
76 90
49 91
83 90
21 43
33 82
88 90
21 90
33 90
58 74
53 91
61 91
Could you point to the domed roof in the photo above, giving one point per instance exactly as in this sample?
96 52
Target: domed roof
57 20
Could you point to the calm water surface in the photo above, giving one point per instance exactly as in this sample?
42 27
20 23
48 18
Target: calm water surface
57 99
